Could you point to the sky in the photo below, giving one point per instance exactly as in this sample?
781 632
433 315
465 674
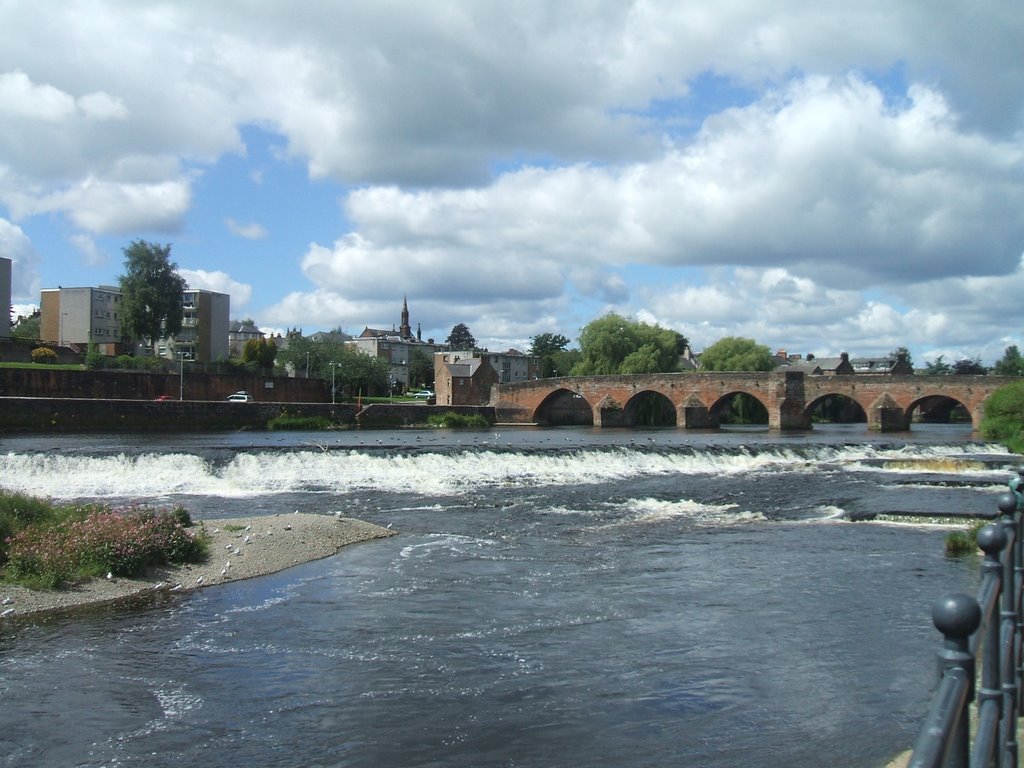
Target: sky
821 177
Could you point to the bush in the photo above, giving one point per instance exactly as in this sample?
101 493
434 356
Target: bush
43 355
93 540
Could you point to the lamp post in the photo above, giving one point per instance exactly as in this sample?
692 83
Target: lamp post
181 376
307 365
332 381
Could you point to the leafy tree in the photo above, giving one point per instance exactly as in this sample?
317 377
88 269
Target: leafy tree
969 367
460 338
546 346
151 288
613 344
27 327
1004 417
937 368
737 354
421 369
352 371
1011 363
260 351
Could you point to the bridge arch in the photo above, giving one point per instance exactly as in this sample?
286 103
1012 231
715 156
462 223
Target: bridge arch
836 407
939 409
740 404
649 408
564 408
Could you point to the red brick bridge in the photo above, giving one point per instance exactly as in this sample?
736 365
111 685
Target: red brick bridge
699 400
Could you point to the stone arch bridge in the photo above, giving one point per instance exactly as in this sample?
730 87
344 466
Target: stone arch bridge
698 400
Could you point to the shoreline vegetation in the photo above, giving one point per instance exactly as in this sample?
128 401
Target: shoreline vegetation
238 548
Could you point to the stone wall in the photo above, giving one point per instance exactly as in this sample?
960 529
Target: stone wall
142 385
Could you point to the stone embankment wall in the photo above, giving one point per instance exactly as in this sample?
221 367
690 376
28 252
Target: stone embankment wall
45 414
142 385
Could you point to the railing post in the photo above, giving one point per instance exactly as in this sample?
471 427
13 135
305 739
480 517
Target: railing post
956 616
995 731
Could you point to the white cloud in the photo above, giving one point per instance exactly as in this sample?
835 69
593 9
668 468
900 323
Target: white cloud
16 246
251 231
94 256
221 282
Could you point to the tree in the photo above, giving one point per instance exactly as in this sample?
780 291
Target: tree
151 292
421 369
260 351
1011 363
546 346
613 344
737 354
937 368
460 338
966 367
350 370
26 327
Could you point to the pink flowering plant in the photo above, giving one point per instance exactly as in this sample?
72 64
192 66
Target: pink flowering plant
82 542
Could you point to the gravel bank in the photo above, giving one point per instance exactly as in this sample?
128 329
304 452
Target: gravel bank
240 548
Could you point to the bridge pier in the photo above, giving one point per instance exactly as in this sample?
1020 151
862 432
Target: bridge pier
693 414
888 418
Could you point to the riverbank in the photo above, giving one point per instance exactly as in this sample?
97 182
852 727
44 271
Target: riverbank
240 548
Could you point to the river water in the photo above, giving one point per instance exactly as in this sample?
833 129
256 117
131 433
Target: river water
557 597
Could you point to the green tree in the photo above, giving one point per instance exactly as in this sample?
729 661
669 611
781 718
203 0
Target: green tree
937 368
734 353
613 344
546 346
260 351
27 327
1004 417
460 338
1010 364
966 367
351 371
151 288
421 369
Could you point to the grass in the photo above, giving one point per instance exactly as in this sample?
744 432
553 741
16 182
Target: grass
457 420
300 423
45 546
964 542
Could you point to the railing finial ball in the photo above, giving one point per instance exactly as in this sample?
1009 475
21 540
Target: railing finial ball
991 538
1007 503
956 615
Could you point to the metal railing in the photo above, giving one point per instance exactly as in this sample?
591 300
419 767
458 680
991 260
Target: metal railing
990 627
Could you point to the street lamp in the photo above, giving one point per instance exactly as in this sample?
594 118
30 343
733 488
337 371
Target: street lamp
332 364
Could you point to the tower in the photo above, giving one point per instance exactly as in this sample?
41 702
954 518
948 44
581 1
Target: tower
405 330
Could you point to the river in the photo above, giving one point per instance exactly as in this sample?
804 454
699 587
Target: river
556 597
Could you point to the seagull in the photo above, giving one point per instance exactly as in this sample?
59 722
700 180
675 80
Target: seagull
199 579
247 539
109 575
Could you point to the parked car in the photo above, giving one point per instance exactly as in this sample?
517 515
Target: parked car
423 394
162 398
240 397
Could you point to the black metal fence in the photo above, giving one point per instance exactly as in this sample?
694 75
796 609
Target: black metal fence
983 630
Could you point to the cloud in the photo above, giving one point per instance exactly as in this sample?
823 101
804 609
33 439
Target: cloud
16 246
250 231
220 282
87 246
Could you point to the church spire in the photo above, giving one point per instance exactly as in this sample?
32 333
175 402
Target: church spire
405 330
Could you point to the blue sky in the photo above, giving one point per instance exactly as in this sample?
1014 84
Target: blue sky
817 177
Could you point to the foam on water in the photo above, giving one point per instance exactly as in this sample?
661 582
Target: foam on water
259 473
